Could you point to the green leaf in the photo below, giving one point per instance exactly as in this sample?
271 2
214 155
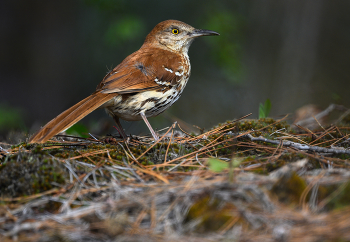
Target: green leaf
267 107
261 111
264 109
217 165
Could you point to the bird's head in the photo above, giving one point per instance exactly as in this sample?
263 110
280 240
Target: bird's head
175 35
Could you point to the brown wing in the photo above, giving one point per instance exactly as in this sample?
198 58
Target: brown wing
143 70
146 69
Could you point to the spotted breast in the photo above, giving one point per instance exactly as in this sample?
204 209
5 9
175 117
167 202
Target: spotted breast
170 76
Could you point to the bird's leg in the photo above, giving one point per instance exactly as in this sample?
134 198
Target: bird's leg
119 127
155 136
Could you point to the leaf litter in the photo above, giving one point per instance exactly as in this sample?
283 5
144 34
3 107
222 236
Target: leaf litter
243 180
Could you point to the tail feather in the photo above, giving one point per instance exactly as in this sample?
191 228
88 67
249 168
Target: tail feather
71 116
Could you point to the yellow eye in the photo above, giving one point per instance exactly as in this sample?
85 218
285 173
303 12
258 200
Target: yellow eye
175 31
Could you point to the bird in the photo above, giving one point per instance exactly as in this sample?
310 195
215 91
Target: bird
143 85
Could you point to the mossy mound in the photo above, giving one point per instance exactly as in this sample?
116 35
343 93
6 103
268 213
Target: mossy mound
25 174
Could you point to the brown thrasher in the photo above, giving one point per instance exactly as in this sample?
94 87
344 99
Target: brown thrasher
145 84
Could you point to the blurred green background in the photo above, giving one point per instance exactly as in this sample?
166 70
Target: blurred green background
54 53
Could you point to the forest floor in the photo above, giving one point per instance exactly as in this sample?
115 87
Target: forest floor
243 180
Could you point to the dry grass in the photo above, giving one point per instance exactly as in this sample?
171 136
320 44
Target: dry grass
284 186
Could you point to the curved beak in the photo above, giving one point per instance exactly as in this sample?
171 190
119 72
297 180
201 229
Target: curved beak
202 32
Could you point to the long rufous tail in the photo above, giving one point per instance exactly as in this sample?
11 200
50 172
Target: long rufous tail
71 116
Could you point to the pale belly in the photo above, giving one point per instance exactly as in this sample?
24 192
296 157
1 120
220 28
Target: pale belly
151 103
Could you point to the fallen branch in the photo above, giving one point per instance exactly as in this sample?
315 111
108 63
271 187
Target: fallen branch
298 146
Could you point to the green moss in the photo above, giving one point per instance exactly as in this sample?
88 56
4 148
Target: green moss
212 216
27 174
289 188
337 195
256 124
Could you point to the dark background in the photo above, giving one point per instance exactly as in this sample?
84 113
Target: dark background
54 53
